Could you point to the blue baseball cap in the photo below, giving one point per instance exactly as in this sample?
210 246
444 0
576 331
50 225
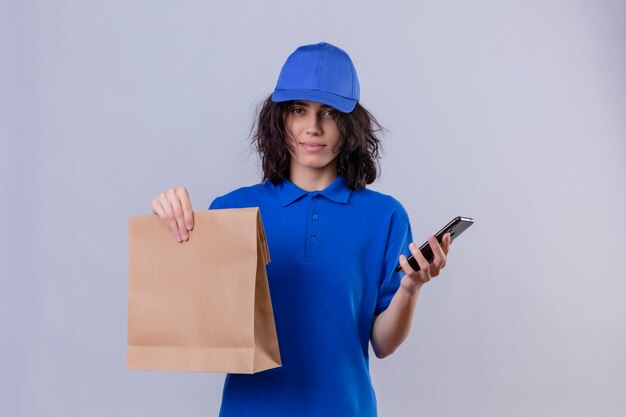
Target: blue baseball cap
319 72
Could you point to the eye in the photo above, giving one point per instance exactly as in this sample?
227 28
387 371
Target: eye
297 110
330 113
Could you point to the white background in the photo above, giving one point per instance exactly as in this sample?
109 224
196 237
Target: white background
508 112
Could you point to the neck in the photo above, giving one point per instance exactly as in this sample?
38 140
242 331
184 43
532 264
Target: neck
312 180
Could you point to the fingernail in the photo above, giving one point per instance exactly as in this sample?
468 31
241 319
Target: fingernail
179 239
188 227
185 236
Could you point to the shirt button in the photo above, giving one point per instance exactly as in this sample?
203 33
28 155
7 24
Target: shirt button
314 216
313 239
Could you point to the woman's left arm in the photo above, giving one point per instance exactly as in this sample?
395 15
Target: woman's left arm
392 326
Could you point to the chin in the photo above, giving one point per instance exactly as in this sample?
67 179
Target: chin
316 164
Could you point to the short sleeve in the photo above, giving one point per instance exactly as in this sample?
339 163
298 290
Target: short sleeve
399 238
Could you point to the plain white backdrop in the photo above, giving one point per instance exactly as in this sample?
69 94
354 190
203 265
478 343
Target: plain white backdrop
508 112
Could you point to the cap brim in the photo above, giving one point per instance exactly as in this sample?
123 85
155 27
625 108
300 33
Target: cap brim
343 104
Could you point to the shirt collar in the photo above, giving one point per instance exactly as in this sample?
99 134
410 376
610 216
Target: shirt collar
337 191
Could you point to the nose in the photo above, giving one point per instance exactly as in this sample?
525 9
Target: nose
314 125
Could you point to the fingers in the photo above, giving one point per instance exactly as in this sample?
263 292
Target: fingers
185 202
418 277
419 257
447 241
174 208
169 218
406 268
427 270
178 213
440 256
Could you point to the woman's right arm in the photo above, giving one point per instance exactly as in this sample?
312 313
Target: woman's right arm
174 208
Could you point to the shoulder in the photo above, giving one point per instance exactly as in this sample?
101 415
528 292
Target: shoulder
247 196
379 202
389 212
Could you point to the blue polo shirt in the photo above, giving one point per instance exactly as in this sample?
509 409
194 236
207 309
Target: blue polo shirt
333 254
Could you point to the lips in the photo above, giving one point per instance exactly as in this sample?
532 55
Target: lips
312 146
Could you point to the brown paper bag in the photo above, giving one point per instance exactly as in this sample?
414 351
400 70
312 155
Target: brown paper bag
203 304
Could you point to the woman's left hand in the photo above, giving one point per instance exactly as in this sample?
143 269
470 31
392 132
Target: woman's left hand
413 278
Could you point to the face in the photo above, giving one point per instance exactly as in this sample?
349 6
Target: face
314 135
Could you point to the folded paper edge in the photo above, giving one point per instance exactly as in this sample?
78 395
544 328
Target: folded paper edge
262 238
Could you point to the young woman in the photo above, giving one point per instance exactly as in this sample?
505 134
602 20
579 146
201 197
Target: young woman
334 244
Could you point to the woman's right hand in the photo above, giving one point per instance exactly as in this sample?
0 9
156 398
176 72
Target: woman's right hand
174 208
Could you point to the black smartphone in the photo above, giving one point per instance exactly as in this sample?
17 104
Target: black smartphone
456 226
